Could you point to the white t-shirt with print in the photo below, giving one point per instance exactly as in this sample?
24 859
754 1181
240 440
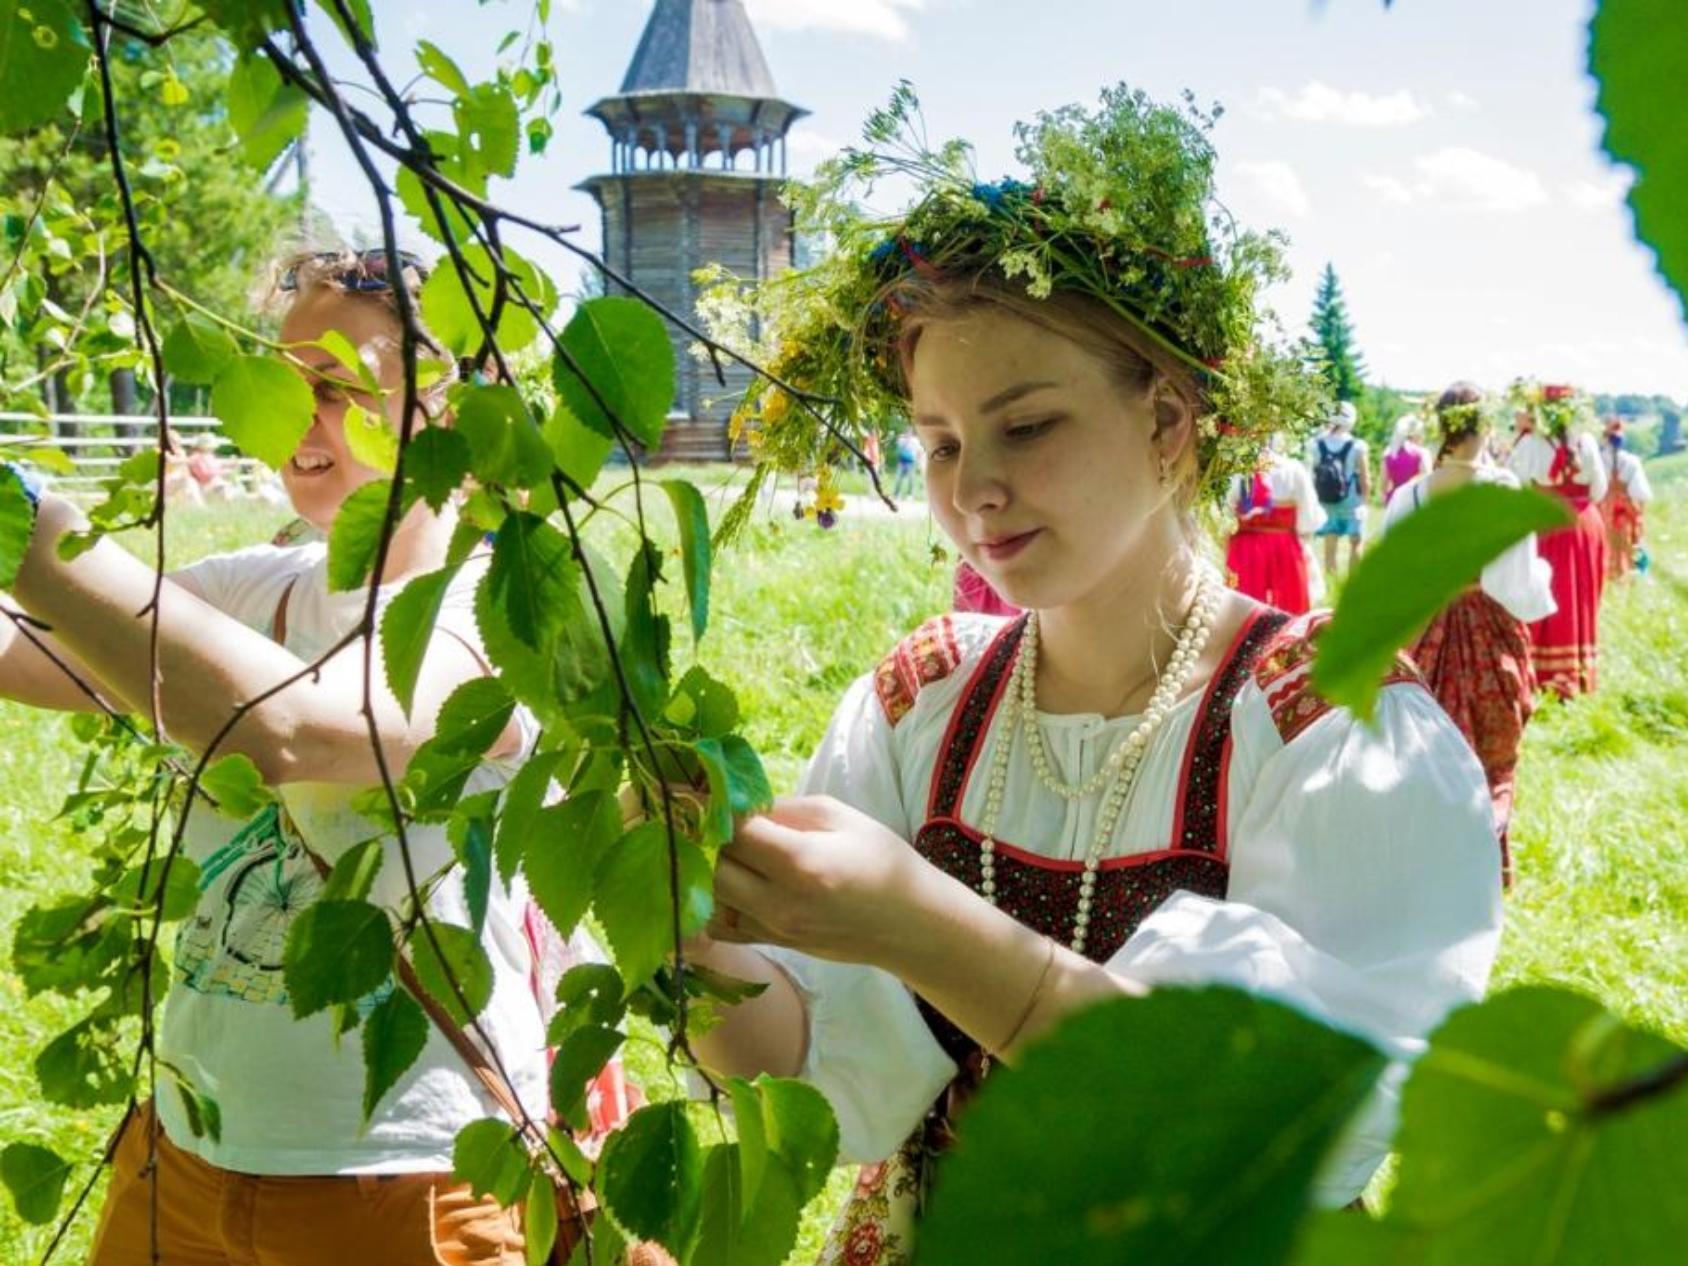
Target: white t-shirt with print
289 1095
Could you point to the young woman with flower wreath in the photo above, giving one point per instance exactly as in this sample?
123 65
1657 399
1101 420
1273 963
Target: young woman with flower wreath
1131 784
1560 455
1475 655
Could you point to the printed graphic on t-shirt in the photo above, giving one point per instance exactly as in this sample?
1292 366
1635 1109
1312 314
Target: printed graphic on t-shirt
251 890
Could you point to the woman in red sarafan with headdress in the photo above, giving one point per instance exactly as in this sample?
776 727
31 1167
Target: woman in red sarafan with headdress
1266 558
1627 491
1475 655
1562 458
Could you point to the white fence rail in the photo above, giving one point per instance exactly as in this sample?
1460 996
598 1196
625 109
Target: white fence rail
98 443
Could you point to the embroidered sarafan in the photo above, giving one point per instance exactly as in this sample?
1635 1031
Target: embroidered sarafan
1285 675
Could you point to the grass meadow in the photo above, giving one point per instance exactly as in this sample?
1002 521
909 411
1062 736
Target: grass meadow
1600 836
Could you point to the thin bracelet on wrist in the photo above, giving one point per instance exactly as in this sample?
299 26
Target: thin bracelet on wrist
1031 1002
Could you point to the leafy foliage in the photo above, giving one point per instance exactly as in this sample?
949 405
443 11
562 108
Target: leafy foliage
1333 335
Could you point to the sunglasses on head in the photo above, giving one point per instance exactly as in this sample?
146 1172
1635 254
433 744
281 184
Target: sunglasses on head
367 271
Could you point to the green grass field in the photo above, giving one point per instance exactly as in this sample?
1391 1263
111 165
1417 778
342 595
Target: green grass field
1600 836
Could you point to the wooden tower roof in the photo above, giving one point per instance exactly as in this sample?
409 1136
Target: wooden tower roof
701 46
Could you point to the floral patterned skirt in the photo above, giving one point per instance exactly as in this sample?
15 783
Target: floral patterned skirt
876 1225
1475 657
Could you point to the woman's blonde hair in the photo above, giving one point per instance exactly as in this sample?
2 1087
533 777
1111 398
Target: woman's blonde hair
1136 367
299 272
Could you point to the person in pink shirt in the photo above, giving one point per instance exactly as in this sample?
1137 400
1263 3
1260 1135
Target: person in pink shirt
1405 459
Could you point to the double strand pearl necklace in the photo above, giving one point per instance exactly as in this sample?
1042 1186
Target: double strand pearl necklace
1118 773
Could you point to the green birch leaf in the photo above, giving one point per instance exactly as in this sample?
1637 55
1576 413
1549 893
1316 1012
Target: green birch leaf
702 706
533 580
565 846
434 465
644 638
539 1219
693 518
17 525
44 53
580 1058
490 1157
450 315
180 884
1274 1091
393 1038
36 1177
355 536
634 898
371 439
579 451
267 113
752 1135
524 795
196 350
440 68
651 1173
1516 1151
622 358
505 447
736 1228
489 127
801 1130
588 994
460 958
470 833
1422 563
84 1066
337 951
1636 52
234 782
407 627
264 406
353 876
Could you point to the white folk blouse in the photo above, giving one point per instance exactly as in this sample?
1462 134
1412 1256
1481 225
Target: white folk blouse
1364 884
1532 461
1520 580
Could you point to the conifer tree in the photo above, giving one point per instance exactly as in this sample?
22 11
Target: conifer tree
1333 337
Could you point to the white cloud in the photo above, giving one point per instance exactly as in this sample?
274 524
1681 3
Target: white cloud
1464 179
1316 102
1459 99
807 148
1598 195
883 19
1277 182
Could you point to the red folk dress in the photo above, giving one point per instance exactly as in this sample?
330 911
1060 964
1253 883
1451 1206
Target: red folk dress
1621 510
1565 646
1475 655
1265 557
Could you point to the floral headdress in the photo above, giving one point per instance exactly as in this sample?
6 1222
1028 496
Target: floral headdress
1118 206
1452 423
1560 408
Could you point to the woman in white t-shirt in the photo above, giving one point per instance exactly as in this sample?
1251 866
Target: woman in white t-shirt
295 1175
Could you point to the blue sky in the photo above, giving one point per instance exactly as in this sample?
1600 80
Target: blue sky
1443 155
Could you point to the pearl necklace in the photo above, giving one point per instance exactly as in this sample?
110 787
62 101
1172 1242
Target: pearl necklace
1118 773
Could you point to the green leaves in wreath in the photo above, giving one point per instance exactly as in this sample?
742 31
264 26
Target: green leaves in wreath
1209 1141
1539 1129
1636 51
43 56
265 407
617 366
35 1176
1422 563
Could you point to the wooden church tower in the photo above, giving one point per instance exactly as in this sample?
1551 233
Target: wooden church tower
697 156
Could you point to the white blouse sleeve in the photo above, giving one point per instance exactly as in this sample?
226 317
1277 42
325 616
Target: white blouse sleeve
1364 890
1531 459
1521 580
1592 468
870 1052
1633 471
1309 514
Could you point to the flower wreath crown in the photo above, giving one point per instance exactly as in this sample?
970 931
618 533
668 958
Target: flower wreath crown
1456 421
1119 206
1561 409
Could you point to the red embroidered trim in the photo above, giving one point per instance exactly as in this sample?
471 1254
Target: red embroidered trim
928 654
1285 675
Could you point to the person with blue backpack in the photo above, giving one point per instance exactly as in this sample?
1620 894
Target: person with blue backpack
1342 480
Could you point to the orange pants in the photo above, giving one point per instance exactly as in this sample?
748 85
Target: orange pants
215 1217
